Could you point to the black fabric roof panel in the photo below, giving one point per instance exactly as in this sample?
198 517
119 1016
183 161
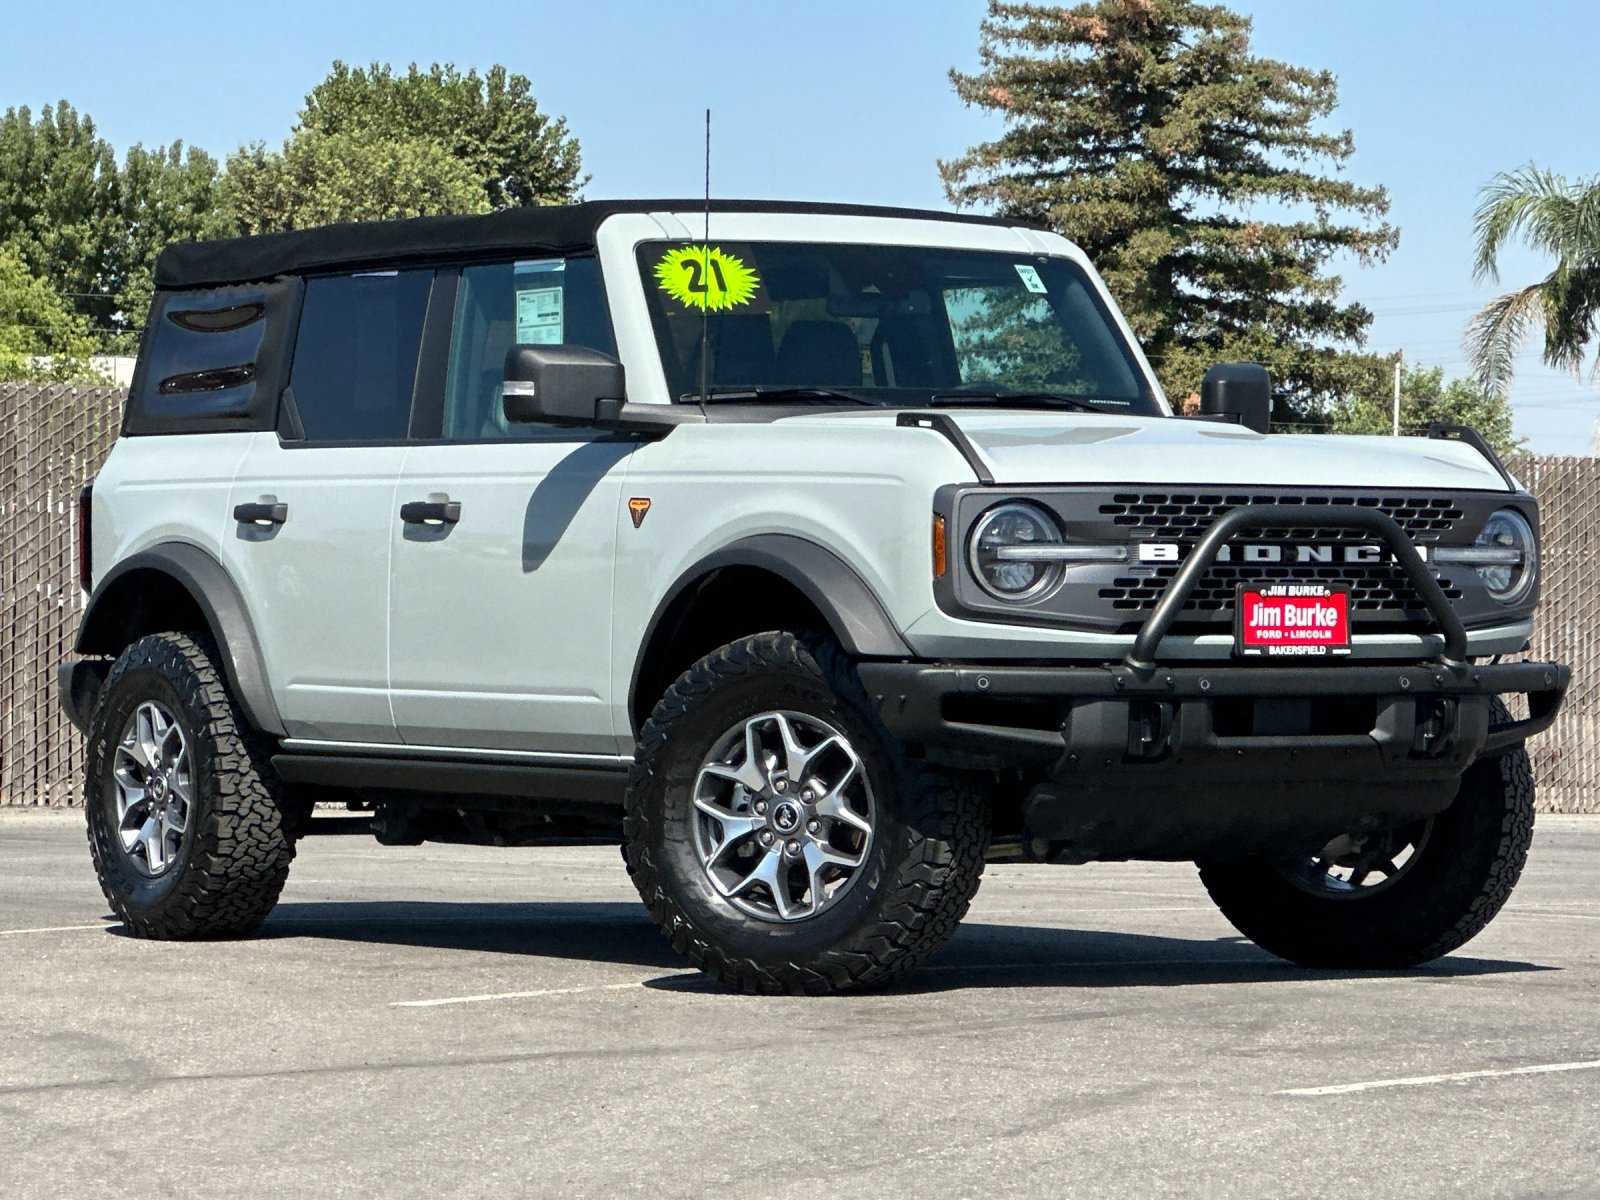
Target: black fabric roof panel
565 229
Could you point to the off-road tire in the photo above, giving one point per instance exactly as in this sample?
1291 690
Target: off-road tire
237 852
923 868
1464 874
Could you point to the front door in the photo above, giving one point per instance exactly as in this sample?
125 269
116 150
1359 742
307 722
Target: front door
500 599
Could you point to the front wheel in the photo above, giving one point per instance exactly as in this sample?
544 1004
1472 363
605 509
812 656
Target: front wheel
1396 897
780 837
186 823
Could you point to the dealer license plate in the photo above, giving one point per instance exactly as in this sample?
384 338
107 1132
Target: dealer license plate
1292 620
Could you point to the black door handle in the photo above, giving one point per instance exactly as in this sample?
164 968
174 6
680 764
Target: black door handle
430 512
263 512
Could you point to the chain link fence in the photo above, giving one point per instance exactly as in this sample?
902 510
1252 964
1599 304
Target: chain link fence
54 438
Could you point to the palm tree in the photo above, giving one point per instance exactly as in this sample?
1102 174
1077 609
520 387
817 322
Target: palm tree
1562 219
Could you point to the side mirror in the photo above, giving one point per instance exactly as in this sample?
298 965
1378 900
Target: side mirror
1240 392
562 385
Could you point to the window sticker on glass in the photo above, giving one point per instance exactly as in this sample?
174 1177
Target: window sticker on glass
706 277
1030 279
540 308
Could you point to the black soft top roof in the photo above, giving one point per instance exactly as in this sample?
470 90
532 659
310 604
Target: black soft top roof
556 229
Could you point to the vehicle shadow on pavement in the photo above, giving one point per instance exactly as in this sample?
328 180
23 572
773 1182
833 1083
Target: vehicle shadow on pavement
1008 956
981 956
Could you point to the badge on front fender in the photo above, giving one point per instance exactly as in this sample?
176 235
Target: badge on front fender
1291 620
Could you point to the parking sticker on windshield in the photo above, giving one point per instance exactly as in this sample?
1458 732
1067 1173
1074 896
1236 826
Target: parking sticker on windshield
706 277
1030 279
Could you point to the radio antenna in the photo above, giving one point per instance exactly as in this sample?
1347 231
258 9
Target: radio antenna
705 277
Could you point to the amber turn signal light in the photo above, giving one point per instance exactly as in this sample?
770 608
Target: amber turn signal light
941 561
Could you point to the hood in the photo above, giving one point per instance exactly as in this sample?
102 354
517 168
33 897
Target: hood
1074 448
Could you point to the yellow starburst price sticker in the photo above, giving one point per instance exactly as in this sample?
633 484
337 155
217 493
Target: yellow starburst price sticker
706 277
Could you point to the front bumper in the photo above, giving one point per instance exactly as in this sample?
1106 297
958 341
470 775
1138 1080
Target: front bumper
914 701
1121 761
1144 759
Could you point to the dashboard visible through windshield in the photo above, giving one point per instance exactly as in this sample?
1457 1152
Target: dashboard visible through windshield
891 325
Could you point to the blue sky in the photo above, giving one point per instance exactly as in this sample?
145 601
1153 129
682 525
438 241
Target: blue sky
849 101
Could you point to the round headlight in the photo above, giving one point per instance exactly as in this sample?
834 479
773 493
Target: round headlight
999 551
1508 531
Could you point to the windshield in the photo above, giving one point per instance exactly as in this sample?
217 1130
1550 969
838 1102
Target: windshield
894 325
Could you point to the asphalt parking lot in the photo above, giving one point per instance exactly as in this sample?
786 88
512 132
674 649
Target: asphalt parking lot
460 1021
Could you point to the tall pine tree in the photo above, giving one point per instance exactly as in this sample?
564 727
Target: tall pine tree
1196 176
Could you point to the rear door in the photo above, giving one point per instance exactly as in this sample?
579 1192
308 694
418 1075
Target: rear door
312 554
500 609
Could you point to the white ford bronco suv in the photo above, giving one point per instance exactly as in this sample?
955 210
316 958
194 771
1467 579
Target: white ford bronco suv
820 553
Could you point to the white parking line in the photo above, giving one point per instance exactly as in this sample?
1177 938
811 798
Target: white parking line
57 929
487 996
1557 916
1057 913
1372 1085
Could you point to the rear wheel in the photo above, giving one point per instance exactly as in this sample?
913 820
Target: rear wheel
186 829
1399 896
781 838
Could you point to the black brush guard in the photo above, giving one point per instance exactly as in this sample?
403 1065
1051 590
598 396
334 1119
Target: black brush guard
1141 759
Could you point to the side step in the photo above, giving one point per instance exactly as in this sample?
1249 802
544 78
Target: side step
589 786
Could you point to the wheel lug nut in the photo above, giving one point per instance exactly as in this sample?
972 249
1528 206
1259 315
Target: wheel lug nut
766 837
793 847
813 826
761 808
780 785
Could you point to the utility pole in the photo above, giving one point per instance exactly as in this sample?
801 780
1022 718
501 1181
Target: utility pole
1397 395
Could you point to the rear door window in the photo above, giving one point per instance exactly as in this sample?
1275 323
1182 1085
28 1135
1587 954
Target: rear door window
355 360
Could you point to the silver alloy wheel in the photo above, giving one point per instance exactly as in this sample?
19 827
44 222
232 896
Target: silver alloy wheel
1354 866
155 789
784 816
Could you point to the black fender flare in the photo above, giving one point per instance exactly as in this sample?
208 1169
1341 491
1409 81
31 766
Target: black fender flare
217 596
855 615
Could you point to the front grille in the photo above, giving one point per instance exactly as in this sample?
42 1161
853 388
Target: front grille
1184 517
1173 516
1374 587
1120 596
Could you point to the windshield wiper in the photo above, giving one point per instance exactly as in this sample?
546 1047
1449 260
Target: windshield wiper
1021 399
776 395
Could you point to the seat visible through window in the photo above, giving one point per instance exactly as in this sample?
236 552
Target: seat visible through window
819 354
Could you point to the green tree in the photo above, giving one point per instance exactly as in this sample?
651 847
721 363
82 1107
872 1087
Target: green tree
371 144
1426 396
1555 217
58 201
318 179
90 229
40 336
168 194
1147 132
491 123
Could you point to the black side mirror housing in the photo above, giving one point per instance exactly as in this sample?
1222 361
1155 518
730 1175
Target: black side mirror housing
1240 392
562 385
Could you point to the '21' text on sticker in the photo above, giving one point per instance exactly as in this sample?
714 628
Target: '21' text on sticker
706 277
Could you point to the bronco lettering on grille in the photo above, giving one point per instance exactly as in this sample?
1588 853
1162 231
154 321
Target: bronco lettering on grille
1171 552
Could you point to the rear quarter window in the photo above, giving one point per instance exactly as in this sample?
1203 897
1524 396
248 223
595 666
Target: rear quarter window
214 360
